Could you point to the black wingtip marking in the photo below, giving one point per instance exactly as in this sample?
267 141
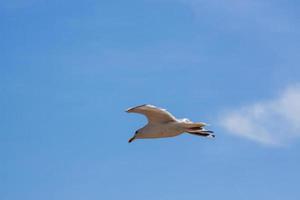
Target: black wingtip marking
129 109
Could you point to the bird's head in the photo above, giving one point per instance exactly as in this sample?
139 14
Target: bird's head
134 137
137 132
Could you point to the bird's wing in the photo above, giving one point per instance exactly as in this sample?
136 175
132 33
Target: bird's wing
153 113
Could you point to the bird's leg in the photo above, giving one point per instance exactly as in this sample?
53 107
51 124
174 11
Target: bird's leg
202 133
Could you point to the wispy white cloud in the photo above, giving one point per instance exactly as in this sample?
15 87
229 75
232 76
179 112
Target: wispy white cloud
272 122
245 14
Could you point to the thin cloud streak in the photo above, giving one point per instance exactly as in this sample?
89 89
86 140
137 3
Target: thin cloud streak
273 122
250 15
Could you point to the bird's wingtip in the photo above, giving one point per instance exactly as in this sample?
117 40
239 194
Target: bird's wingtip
131 108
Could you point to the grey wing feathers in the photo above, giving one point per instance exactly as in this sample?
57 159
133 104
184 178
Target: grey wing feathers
153 113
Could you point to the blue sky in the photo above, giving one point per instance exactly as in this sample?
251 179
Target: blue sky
69 69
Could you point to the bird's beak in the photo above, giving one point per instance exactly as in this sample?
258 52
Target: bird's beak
131 139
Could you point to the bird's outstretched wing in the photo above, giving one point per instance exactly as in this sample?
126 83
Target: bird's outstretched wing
154 114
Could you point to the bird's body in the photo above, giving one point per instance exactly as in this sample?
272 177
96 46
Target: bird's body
168 129
163 124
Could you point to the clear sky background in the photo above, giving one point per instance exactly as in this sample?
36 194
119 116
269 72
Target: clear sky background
69 69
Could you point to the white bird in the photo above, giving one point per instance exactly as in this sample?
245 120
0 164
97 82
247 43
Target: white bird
162 124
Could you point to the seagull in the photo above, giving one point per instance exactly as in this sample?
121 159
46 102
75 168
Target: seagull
163 124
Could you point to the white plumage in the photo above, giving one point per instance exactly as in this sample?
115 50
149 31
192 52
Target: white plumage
162 124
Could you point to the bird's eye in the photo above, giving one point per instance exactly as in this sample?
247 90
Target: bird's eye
136 132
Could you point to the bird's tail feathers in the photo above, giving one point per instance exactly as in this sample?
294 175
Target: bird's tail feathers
194 125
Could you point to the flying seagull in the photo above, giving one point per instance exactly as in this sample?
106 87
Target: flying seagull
162 124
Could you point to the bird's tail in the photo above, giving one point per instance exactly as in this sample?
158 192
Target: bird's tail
197 128
193 125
